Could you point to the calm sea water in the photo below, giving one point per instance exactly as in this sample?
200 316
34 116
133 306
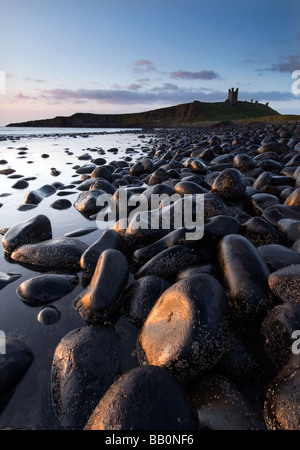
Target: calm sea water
22 148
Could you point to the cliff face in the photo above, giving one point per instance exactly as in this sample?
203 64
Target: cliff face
185 114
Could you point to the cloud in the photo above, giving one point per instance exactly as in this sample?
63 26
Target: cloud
165 87
253 61
201 75
134 87
22 97
36 80
144 65
287 64
166 94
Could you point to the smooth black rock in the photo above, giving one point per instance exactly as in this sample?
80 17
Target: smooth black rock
81 232
36 196
285 283
167 263
246 360
100 300
222 406
186 331
14 362
214 206
141 296
277 330
243 162
195 270
294 198
145 398
34 230
61 204
264 179
46 288
188 187
86 156
33 197
229 184
48 315
278 256
246 278
290 228
85 364
87 202
109 239
99 161
7 278
20 184
103 185
272 147
275 213
26 207
281 408
102 172
58 253
141 166
219 226
158 176
259 231
158 190
175 237
259 202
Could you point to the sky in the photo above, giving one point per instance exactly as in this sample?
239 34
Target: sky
59 57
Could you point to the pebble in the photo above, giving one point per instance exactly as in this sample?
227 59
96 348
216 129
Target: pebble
278 256
85 364
100 300
222 406
46 288
87 202
61 204
14 363
7 278
145 398
229 184
277 330
31 231
245 276
109 239
54 254
141 296
285 283
187 330
48 315
281 407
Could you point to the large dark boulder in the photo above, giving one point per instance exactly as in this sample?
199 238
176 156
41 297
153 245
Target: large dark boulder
85 364
54 254
100 300
222 406
46 288
34 230
246 278
15 359
186 331
145 398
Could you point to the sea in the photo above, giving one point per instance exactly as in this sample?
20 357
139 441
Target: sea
32 153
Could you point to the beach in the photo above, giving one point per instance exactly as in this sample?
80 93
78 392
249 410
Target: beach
208 317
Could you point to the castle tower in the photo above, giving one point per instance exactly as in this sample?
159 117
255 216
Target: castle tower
233 96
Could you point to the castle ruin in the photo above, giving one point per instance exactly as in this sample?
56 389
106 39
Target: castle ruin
233 96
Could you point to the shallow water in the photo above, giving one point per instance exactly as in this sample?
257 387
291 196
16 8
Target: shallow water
30 406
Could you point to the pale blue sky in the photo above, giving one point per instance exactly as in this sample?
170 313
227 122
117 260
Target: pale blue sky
115 56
